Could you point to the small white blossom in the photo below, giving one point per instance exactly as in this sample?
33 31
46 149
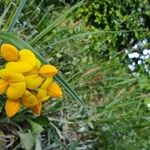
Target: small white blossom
134 55
133 64
126 51
146 51
131 67
135 46
147 56
144 41
139 62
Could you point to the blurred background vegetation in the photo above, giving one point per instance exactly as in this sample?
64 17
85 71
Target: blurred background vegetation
88 47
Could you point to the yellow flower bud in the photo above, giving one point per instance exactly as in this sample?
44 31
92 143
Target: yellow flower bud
9 52
12 107
54 90
48 70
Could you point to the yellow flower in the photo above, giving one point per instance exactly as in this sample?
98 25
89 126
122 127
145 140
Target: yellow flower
19 61
12 107
35 77
41 96
9 52
51 88
12 83
48 70
44 93
54 90
25 82
25 63
29 99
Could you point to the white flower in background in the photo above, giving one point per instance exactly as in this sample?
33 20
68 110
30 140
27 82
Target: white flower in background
131 67
134 55
146 56
126 51
146 51
139 56
139 62
135 46
142 57
144 41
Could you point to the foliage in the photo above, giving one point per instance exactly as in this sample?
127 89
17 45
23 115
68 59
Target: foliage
117 118
125 18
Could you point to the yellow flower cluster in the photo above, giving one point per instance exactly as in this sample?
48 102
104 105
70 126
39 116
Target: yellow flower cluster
25 81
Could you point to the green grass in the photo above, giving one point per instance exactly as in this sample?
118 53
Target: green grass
117 117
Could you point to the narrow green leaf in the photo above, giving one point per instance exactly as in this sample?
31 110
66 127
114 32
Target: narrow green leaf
70 90
36 128
54 24
4 13
86 34
16 15
38 145
11 38
42 19
12 12
2 142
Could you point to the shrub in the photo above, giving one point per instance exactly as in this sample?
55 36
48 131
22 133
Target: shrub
129 20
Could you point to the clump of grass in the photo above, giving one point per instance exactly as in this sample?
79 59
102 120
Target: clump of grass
117 117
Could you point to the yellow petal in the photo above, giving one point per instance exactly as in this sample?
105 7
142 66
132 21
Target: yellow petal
46 83
33 81
28 57
42 95
35 70
54 90
16 90
9 52
29 99
48 70
12 107
37 109
10 76
3 86
18 67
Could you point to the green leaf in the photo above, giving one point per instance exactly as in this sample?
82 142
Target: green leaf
27 140
38 142
54 24
16 15
2 142
42 120
36 128
11 38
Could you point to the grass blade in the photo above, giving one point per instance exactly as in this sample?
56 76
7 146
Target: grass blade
16 15
86 34
69 89
11 38
4 13
54 24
